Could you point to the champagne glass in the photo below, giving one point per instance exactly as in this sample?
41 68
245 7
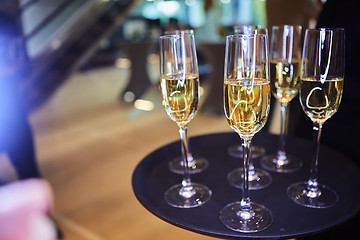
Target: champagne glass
180 89
196 164
322 80
246 106
256 151
285 63
258 178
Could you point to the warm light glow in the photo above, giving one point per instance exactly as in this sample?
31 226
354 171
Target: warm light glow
154 58
202 91
123 63
145 105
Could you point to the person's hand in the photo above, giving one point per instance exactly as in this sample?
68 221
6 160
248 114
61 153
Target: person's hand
24 208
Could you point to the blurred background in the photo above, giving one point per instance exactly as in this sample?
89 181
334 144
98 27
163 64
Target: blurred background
86 86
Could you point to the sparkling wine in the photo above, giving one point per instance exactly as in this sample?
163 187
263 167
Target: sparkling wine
180 96
321 99
246 104
285 79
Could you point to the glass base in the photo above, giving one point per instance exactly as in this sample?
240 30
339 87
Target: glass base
276 163
237 151
258 178
187 197
196 165
235 218
323 197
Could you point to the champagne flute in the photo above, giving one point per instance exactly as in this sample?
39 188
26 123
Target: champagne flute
180 89
285 60
256 151
322 81
246 106
196 164
258 178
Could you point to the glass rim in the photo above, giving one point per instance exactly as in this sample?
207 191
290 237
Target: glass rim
179 31
242 35
287 25
325 29
169 36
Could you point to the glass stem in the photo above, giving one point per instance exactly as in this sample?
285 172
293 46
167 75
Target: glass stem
312 183
245 201
283 127
186 182
190 157
252 172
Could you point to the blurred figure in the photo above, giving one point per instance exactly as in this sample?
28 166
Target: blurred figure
24 211
292 12
15 133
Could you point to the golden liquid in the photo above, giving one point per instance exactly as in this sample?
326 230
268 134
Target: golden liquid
285 80
321 99
180 97
246 104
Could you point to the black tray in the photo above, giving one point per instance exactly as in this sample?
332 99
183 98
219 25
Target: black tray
152 178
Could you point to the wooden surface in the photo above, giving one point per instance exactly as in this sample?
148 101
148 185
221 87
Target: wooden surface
88 144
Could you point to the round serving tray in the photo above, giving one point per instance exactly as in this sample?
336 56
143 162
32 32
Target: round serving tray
152 178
